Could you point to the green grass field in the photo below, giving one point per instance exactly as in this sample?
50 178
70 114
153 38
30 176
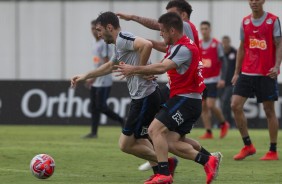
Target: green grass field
99 161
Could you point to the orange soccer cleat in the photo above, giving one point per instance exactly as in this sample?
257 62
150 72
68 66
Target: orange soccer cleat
211 169
161 179
224 129
247 150
271 155
207 135
149 179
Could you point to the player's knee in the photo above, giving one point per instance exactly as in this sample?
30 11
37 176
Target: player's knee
236 107
124 147
210 106
269 112
151 131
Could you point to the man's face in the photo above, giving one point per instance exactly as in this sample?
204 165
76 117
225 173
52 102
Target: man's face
256 5
205 31
94 31
226 43
166 35
104 33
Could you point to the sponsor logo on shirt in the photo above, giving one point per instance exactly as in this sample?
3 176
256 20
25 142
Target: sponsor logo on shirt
247 21
259 44
231 56
269 21
207 63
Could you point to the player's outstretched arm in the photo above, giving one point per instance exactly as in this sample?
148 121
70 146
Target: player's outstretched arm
102 70
147 22
153 69
159 46
239 61
144 47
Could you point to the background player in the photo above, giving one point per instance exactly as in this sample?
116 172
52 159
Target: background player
230 55
214 72
100 86
179 114
259 58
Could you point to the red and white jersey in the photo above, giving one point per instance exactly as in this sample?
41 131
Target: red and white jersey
259 46
191 80
210 59
195 33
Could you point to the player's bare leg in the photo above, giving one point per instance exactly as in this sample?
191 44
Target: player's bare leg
224 125
206 118
211 104
141 148
273 126
237 104
186 151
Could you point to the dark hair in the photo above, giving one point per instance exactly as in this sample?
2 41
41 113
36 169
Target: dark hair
108 18
206 23
181 5
93 22
171 20
226 37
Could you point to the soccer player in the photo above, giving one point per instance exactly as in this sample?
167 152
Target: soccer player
257 67
214 62
101 86
144 93
179 114
184 10
230 55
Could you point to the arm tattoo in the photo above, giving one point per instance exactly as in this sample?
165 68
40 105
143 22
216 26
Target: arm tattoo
147 22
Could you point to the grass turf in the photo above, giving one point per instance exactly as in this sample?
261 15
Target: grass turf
99 161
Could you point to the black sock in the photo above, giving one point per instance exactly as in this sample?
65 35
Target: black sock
209 131
163 168
204 151
202 159
247 140
273 147
155 169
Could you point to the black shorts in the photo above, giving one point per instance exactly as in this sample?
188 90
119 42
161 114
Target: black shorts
179 114
210 91
263 87
165 91
141 113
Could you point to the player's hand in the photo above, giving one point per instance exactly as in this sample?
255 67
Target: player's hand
273 72
123 70
150 77
220 84
234 79
124 16
76 79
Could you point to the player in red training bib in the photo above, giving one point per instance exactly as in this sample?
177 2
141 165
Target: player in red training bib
214 73
179 114
257 67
